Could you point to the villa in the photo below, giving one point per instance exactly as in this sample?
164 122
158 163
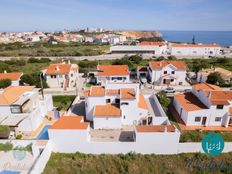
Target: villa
113 73
23 108
13 76
206 105
167 72
63 75
197 50
114 105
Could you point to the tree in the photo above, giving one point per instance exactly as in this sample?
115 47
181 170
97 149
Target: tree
215 78
33 80
163 99
4 132
5 83
198 65
172 58
27 79
4 67
135 58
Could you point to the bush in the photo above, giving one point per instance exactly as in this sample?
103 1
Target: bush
163 99
33 80
33 60
18 137
136 59
4 67
215 78
6 147
4 132
5 83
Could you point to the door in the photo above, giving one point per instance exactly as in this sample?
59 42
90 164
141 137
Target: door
203 123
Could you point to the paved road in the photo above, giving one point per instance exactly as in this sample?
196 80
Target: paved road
104 57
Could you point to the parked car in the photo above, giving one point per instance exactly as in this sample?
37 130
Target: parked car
143 79
169 90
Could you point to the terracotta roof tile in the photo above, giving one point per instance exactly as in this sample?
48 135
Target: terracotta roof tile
12 94
220 97
152 43
142 102
205 86
154 128
230 111
189 102
70 123
113 92
107 110
161 64
112 70
194 45
127 93
60 68
141 68
12 76
96 91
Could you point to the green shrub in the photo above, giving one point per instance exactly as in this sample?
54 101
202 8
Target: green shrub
20 136
5 83
4 132
6 147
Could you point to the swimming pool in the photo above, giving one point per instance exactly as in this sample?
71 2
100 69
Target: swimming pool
9 172
44 133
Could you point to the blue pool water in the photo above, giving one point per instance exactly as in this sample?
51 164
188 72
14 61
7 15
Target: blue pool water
9 172
44 133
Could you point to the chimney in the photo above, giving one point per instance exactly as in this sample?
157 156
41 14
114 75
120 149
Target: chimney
165 128
57 68
5 71
69 62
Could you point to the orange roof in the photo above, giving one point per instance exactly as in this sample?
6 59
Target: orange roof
161 64
220 97
11 76
96 91
70 122
112 91
194 45
205 86
152 43
107 110
189 102
230 110
12 93
142 102
128 93
112 70
58 69
155 128
141 68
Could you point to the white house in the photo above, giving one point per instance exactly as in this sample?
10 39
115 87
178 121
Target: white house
202 75
23 108
113 73
61 75
167 72
194 49
156 48
13 76
206 105
114 105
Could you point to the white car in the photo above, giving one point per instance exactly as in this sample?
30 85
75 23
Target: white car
169 90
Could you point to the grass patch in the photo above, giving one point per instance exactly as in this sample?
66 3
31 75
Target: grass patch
88 85
132 163
197 136
63 102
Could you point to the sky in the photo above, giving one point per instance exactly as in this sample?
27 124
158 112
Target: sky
56 15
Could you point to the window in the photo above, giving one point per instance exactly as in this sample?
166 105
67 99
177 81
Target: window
15 109
124 117
218 118
173 72
61 76
117 101
194 52
53 76
197 119
220 106
172 80
124 103
165 72
179 52
71 75
108 100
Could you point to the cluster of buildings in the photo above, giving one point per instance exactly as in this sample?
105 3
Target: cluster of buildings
167 48
10 37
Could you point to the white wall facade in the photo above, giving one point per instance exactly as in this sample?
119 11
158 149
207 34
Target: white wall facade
113 79
107 122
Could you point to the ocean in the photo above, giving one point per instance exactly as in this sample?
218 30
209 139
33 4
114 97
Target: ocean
223 38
